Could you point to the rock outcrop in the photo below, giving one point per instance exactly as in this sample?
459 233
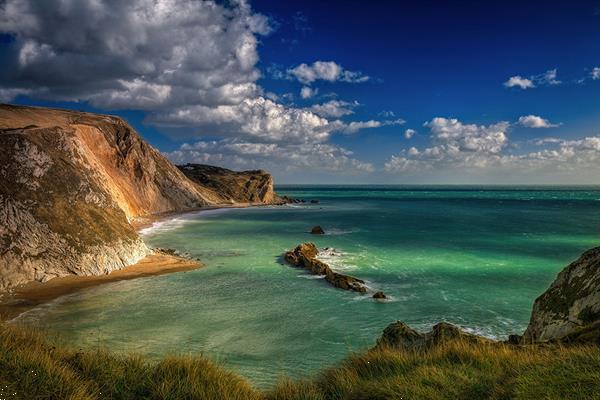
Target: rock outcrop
246 187
71 183
304 255
572 303
401 336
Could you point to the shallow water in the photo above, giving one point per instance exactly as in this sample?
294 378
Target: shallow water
474 256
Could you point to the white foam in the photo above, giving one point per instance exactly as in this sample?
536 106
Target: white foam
180 220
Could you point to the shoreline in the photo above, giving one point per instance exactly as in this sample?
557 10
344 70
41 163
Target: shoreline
32 294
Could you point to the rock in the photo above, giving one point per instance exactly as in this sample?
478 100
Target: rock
314 201
571 304
514 339
401 336
317 230
236 187
304 255
379 295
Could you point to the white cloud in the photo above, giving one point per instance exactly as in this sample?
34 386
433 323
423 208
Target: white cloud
355 126
547 78
468 151
518 81
325 70
596 73
190 64
277 157
409 133
533 121
387 114
334 108
307 92
455 145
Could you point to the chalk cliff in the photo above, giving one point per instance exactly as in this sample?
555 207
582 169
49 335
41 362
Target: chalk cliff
71 183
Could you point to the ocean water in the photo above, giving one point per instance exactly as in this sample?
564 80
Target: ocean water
473 256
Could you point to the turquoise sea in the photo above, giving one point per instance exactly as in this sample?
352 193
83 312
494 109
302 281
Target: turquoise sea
473 256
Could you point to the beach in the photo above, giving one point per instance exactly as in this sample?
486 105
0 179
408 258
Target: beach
33 294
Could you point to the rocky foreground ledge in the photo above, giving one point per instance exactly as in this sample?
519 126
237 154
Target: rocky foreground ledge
305 255
567 313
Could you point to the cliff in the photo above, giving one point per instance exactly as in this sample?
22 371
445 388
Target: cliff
71 182
247 187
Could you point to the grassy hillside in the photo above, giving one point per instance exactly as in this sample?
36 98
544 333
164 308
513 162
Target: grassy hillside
33 366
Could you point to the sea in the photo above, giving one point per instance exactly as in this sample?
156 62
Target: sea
475 256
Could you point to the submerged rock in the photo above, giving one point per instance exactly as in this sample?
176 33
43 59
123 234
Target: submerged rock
314 201
379 295
571 305
317 230
304 255
401 336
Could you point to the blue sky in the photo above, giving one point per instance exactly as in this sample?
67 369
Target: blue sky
490 92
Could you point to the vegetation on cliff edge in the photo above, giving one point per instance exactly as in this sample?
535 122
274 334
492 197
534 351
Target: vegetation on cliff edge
36 366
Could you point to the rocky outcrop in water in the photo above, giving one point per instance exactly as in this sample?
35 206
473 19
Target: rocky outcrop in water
71 183
570 308
304 255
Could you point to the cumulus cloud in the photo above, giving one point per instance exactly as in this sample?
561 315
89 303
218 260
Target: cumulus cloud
307 92
191 65
595 73
454 144
276 156
533 121
334 108
409 133
325 70
463 150
547 78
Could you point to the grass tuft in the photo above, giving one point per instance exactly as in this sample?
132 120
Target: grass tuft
34 365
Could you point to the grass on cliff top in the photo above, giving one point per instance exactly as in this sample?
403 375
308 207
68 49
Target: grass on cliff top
35 367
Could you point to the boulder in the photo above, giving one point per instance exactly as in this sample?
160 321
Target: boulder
314 201
401 336
379 295
317 230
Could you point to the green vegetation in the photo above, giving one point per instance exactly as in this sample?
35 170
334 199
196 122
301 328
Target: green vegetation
35 367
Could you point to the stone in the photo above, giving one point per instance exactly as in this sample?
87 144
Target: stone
379 295
317 230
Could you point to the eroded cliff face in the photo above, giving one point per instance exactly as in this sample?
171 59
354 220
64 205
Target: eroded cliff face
246 187
70 183
571 303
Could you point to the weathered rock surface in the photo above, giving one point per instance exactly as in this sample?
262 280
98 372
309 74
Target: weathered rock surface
304 255
571 304
235 187
317 230
71 182
401 336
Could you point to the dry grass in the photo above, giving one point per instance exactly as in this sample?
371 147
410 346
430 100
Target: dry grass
457 370
33 366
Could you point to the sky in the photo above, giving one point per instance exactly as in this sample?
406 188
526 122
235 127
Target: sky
444 92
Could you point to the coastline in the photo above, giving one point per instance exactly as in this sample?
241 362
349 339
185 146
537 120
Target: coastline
33 294
30 295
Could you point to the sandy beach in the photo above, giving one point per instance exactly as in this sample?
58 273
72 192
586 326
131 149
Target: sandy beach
33 294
